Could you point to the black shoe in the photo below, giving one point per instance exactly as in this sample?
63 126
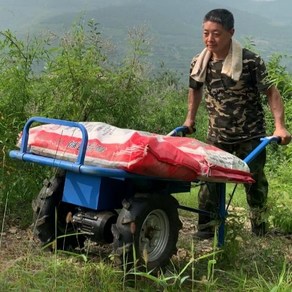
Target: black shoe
204 235
206 227
258 216
259 229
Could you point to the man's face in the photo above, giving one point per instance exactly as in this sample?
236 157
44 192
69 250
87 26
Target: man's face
216 38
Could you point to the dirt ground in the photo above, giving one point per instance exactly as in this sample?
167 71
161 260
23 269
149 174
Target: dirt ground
17 243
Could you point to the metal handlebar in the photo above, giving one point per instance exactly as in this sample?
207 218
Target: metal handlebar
84 140
183 130
265 141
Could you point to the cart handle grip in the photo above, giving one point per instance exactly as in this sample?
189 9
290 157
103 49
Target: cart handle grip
183 130
84 141
264 142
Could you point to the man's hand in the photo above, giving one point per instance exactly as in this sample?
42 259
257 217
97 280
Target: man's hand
190 125
284 135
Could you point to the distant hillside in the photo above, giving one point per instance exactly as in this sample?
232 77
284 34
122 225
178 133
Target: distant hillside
174 25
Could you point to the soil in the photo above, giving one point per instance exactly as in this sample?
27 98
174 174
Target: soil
16 243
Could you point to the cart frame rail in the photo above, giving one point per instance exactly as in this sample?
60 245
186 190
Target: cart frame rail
78 169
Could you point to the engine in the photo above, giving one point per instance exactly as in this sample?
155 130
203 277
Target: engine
96 225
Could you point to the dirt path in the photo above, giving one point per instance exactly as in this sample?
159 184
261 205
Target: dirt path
16 243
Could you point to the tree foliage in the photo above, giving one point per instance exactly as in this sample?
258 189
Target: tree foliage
77 76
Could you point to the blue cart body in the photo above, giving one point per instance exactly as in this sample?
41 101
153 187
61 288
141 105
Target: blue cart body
99 189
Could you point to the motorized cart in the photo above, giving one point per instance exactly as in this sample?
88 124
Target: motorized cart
111 205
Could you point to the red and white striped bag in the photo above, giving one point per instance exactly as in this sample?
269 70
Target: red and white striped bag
139 152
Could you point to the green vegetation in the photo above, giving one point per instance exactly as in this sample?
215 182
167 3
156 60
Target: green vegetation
75 77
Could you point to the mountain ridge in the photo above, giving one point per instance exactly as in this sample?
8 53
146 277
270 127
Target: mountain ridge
174 27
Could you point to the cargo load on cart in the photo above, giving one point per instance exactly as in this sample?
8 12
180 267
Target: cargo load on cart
139 152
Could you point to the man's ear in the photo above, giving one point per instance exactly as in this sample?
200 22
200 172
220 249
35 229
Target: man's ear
232 31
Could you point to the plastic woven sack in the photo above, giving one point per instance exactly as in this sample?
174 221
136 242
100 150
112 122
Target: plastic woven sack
139 152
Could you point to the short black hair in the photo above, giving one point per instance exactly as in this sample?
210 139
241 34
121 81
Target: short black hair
221 16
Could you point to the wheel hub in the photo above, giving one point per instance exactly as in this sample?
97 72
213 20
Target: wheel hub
154 234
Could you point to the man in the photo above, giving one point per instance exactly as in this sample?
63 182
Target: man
234 79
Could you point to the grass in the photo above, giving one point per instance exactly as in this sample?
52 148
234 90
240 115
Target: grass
252 264
59 273
246 263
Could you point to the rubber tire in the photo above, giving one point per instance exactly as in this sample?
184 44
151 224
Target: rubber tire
131 230
49 211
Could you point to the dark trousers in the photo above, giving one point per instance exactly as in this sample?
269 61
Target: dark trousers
256 193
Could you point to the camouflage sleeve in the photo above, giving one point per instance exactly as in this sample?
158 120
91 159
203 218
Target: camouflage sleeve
193 83
261 76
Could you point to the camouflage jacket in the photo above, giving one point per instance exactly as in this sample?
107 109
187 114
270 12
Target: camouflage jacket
235 108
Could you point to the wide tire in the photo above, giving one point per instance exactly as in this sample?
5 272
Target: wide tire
147 230
52 217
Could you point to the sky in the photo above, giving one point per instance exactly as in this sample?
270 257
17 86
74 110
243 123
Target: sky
24 16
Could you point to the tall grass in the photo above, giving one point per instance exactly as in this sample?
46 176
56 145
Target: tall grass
39 271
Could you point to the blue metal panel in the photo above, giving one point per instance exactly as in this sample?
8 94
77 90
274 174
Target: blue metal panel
82 190
93 192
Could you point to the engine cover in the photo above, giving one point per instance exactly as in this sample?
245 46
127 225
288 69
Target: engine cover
96 225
